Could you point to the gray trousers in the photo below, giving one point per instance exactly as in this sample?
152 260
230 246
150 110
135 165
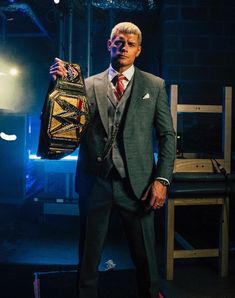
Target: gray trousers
95 211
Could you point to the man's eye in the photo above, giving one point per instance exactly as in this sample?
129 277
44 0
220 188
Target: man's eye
118 42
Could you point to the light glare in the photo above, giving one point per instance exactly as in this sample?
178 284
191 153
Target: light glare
8 137
14 72
11 87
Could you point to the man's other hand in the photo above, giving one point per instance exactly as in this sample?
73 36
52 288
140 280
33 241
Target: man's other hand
155 196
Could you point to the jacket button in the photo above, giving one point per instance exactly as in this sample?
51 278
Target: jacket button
99 159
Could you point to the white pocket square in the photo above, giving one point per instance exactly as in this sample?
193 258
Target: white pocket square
146 96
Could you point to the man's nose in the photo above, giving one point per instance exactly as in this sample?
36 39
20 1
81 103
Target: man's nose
124 46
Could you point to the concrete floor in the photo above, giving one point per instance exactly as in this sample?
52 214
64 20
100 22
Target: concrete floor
29 244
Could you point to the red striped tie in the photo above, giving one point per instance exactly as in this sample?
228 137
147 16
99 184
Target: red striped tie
119 86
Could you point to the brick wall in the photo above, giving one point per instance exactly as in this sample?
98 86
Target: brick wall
198 48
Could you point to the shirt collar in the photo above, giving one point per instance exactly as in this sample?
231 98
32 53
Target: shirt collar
127 73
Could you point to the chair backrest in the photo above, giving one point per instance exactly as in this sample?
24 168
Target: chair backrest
205 165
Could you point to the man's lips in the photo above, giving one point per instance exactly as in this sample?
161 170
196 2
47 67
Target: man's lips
121 56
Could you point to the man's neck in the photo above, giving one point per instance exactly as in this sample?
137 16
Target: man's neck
119 68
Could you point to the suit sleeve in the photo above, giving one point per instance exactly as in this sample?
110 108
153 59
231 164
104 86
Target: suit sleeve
165 136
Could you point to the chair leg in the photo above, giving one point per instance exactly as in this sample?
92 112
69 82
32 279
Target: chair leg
224 238
170 219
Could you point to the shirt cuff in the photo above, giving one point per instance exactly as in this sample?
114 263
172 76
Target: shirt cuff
161 178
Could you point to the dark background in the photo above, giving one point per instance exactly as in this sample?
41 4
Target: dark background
187 42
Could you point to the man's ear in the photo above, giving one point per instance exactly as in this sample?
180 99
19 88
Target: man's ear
109 45
139 51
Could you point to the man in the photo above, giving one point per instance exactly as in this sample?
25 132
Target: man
116 167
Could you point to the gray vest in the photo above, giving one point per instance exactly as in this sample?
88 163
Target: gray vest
115 118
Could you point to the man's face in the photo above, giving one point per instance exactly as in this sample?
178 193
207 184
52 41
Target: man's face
123 48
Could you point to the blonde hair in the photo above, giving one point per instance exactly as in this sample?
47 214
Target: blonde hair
126 28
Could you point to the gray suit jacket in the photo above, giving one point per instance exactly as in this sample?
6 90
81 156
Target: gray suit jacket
147 111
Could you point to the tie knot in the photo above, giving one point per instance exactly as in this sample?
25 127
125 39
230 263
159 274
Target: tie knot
121 77
118 78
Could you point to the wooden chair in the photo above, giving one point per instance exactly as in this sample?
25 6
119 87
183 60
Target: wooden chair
196 183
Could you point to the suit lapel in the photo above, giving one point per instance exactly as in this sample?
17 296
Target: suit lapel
138 91
100 87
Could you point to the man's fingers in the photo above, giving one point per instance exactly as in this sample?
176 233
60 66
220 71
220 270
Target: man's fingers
54 77
57 73
58 70
157 202
59 60
58 66
156 195
144 198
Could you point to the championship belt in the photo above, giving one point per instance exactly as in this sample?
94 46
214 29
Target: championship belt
65 115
